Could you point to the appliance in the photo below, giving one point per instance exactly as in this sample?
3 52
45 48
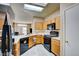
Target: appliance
54 33
47 42
51 26
30 30
47 39
6 44
16 33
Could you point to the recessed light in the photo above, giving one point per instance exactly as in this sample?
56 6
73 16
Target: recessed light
41 4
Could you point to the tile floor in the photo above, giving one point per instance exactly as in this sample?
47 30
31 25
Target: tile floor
37 50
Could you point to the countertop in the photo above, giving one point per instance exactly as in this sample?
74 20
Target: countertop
18 37
58 38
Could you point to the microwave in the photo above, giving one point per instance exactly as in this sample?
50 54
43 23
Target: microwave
51 26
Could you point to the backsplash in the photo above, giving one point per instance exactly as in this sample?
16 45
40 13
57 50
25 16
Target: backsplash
41 32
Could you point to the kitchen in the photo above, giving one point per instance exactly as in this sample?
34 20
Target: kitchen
43 30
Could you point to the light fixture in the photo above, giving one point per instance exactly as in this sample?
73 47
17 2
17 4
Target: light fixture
41 4
33 7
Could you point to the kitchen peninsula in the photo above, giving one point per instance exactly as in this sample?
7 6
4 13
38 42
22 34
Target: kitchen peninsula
33 40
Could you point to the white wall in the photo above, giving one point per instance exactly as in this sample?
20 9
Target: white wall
22 15
63 6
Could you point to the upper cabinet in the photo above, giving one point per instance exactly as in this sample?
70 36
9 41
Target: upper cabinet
38 25
49 21
45 25
57 21
53 20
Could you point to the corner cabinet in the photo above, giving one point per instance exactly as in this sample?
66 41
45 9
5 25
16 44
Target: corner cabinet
39 39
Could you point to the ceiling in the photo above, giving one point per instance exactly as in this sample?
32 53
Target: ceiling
49 9
22 14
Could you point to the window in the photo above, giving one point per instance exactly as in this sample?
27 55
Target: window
24 30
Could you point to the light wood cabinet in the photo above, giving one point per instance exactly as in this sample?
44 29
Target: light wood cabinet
31 42
16 49
55 46
48 21
45 25
39 40
1 23
57 21
38 25
53 20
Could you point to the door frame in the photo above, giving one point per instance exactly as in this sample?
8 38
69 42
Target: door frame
63 36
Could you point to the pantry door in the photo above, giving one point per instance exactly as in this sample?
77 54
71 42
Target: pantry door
72 31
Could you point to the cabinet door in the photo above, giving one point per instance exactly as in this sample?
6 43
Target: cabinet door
53 20
57 21
49 21
55 46
1 23
40 39
31 42
45 25
39 25
16 49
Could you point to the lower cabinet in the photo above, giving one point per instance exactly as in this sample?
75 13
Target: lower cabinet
55 46
16 49
39 39
1 23
31 42
36 39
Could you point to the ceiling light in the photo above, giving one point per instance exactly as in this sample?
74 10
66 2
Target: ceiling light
41 4
33 7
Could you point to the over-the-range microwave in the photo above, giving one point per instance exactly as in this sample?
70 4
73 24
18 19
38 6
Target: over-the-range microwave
51 26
